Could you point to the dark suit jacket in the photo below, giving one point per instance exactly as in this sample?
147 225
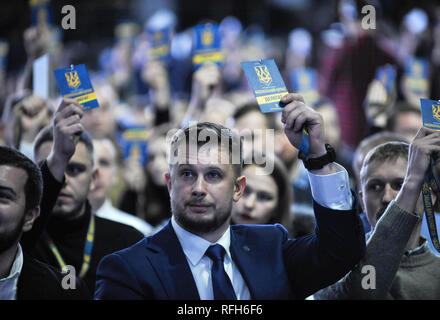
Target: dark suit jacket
273 266
39 281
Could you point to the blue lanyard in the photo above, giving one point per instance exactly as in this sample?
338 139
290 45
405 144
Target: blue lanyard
430 181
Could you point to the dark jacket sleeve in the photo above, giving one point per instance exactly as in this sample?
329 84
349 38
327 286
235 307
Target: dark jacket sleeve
316 261
51 189
116 280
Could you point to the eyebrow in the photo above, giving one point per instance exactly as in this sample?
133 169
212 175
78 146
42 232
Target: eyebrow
192 166
8 190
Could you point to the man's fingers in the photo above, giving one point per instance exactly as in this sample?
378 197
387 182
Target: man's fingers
73 119
292 117
423 131
69 110
300 122
292 97
289 108
66 102
73 130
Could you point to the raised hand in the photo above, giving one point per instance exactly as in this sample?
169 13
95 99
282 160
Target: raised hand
67 128
297 116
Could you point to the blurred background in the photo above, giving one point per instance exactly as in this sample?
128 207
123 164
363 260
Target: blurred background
363 64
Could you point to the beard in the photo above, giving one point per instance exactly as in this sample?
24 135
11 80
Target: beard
8 238
202 225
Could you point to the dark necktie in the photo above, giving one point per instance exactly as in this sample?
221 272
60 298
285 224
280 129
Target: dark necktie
221 283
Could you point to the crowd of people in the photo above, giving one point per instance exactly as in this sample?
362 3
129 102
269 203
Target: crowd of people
134 225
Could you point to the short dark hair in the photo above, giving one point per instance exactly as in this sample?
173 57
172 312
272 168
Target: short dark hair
234 141
33 188
46 135
369 143
389 151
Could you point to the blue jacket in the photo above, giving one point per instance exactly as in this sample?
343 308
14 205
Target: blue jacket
273 266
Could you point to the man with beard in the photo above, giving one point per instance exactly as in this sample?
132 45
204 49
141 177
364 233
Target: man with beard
198 255
21 276
398 263
73 235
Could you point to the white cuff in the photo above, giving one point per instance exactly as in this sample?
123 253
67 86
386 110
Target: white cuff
332 190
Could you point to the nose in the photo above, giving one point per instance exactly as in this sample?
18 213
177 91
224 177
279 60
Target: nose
249 201
389 194
199 187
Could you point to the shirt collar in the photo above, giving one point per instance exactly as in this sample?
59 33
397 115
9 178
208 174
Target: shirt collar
420 249
16 265
8 285
195 247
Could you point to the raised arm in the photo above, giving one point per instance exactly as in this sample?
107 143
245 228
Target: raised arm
66 129
393 231
316 261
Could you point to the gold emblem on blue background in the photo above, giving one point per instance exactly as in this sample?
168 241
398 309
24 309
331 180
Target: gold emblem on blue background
263 74
436 112
72 79
207 37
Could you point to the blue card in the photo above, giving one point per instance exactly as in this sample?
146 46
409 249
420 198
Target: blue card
41 12
160 43
304 82
387 75
416 70
133 142
206 45
431 113
416 67
266 83
74 83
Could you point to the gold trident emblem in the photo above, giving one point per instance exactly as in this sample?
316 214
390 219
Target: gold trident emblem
72 79
207 37
263 74
436 111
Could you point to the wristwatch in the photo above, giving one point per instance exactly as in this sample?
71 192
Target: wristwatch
318 163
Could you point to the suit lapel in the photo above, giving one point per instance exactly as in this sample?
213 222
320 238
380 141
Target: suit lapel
247 259
171 265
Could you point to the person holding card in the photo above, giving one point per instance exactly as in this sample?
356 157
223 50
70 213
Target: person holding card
398 263
73 236
199 255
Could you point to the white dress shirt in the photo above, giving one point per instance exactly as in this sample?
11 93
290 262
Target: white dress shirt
331 191
194 248
8 285
107 211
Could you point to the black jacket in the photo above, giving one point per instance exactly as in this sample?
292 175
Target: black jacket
39 281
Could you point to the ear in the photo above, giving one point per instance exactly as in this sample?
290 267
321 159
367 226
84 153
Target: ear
361 200
240 184
95 176
29 218
168 180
